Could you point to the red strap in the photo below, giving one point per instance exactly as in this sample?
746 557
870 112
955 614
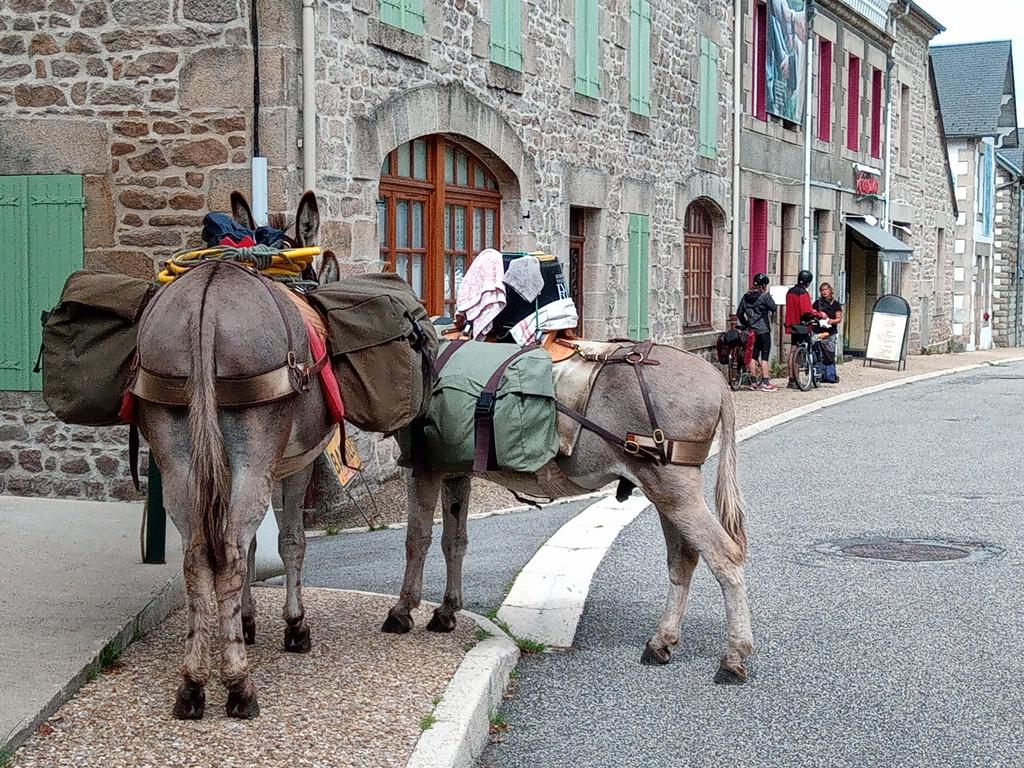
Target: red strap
328 381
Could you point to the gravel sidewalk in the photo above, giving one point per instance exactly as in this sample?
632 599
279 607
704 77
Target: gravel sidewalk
357 699
750 408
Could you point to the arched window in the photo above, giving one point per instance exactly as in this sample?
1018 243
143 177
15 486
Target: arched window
698 239
439 206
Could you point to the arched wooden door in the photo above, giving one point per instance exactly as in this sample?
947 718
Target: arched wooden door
698 240
439 206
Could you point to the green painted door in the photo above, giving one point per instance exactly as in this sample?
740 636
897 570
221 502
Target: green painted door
41 236
639 267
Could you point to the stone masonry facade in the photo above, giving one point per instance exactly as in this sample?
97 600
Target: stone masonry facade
1007 309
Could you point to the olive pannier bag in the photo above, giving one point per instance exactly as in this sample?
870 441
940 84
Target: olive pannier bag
89 343
382 348
493 408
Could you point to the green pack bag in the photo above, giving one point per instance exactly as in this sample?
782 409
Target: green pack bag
467 428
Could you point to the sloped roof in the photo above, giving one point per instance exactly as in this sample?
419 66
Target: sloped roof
972 79
1014 156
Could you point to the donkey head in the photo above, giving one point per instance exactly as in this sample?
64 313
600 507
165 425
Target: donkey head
307 229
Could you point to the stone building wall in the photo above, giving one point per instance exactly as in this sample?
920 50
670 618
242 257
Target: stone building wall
922 198
551 148
151 103
1006 295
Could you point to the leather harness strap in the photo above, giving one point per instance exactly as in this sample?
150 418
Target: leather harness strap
483 415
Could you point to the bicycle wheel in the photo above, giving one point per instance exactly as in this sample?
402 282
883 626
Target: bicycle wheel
734 372
804 373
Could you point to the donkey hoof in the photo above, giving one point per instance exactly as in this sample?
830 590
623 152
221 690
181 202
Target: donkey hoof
729 676
190 702
653 657
242 704
396 624
249 629
442 622
296 639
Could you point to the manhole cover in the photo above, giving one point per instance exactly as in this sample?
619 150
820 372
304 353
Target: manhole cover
909 550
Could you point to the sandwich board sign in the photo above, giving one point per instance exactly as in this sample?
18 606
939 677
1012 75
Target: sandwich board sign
890 328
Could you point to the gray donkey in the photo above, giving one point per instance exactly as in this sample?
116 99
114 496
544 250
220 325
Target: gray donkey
691 399
222 334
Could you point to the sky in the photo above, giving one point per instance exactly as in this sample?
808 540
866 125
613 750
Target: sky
976 20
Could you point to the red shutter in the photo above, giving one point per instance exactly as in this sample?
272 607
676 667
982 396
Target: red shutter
824 89
876 113
760 61
758 236
853 105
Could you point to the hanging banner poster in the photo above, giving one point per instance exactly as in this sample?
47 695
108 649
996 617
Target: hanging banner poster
786 58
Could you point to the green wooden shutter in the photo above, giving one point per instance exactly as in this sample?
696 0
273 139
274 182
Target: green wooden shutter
640 57
506 33
639 266
588 74
41 228
404 14
708 98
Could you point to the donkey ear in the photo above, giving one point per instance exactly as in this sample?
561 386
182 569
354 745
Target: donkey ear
241 212
307 220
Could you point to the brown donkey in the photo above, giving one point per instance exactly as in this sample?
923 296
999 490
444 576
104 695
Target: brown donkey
691 399
212 329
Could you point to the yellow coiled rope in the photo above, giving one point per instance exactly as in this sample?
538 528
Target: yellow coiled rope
285 264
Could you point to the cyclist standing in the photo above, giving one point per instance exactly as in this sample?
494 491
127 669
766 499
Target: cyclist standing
756 311
798 311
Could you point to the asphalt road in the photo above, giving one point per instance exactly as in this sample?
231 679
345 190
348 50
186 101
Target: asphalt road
499 547
860 662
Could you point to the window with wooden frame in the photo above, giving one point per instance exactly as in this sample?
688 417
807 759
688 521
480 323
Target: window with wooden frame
698 241
438 207
404 14
758 236
824 89
640 57
588 52
876 112
759 77
853 104
506 33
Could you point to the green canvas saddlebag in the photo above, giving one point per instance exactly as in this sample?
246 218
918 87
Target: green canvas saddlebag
88 345
382 347
471 426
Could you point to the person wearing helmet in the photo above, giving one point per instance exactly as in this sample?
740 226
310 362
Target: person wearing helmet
756 311
798 310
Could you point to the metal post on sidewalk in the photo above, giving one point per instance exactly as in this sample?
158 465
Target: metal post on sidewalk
153 546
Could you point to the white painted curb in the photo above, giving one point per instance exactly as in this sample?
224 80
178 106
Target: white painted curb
548 596
460 733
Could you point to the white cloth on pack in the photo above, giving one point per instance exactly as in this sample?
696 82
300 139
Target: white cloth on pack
482 292
556 316
523 276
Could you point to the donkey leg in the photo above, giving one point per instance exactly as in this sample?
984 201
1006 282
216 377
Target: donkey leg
248 604
422 494
454 538
190 700
292 548
682 559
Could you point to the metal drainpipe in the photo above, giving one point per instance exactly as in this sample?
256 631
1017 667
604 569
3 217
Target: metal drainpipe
805 253
737 110
308 96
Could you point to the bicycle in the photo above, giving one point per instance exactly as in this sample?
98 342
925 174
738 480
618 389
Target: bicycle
805 356
737 372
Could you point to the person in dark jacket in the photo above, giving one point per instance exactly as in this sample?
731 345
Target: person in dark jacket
756 311
799 310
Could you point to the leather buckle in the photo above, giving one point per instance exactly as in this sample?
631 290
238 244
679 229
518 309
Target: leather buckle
659 437
484 404
291 360
632 447
635 358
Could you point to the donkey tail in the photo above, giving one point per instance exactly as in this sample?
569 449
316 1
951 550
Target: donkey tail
211 477
728 497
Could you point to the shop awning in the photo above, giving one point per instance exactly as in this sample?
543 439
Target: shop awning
877 239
